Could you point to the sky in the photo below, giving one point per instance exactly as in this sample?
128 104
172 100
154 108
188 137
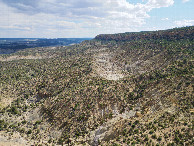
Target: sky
88 18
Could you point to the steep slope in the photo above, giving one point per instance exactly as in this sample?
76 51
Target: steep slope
132 88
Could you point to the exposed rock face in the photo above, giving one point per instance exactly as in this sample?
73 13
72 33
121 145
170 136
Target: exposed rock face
16 140
105 66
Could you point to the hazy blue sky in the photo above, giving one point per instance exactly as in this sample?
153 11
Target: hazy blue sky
87 18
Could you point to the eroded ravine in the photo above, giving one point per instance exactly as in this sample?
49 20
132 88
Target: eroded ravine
106 131
105 67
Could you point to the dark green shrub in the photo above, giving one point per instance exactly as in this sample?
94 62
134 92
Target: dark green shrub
154 136
151 132
159 138
14 110
29 131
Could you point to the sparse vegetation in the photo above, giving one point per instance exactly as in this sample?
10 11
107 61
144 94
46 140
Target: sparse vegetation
62 99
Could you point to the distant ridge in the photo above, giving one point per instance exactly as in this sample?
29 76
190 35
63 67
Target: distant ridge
11 45
176 33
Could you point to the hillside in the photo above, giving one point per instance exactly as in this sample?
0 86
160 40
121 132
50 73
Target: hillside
120 89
